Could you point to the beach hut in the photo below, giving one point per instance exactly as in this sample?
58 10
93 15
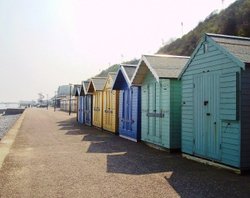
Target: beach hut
110 104
84 107
87 107
79 97
160 99
215 101
95 88
129 103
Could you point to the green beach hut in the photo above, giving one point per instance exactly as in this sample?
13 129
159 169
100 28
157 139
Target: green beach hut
160 99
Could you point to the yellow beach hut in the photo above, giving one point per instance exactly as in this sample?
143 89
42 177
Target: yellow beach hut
110 104
95 88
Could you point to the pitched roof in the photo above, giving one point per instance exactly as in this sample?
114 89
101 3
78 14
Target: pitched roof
112 75
129 70
161 66
76 89
124 74
237 46
98 83
85 85
63 90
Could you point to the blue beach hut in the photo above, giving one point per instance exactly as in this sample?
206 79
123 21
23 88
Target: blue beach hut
84 104
215 101
129 103
87 107
80 98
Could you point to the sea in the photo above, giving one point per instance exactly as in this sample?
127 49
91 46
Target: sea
11 105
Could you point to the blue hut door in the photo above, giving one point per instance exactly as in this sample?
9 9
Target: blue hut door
127 112
80 109
88 108
206 115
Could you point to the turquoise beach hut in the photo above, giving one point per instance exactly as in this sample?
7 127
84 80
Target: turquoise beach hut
129 103
215 101
160 99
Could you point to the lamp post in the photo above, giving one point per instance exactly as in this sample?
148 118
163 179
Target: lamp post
70 98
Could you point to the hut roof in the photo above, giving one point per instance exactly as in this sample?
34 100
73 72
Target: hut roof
237 46
63 90
124 75
161 66
76 89
98 84
112 75
129 70
85 85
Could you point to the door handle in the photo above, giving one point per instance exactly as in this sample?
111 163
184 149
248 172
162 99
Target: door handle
205 102
208 114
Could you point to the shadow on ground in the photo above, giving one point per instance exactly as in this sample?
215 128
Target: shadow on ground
188 178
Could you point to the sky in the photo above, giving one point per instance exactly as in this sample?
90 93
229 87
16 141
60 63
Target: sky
47 43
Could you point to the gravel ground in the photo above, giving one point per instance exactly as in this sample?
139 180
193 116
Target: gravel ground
6 122
53 156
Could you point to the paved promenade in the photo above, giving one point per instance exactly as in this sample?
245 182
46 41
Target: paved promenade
52 156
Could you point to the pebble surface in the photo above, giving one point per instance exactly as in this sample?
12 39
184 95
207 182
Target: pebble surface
6 122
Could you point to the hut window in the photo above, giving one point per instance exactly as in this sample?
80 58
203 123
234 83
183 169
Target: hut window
205 48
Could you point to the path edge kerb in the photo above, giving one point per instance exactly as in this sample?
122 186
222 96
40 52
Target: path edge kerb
9 139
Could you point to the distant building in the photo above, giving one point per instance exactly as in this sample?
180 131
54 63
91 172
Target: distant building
65 98
25 104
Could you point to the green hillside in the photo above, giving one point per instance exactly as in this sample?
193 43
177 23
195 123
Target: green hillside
115 68
232 21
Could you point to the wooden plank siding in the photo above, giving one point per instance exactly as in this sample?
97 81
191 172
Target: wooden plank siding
130 125
245 118
163 98
213 60
88 109
175 113
110 107
97 109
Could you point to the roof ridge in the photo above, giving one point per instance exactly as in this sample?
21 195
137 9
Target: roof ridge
128 65
98 77
228 36
166 56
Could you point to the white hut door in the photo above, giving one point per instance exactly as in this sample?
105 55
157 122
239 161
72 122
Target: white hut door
206 115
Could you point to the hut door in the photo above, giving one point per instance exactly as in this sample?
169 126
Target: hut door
127 110
97 108
88 110
152 109
81 108
206 115
108 109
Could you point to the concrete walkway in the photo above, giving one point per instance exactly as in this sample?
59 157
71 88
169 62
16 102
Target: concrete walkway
53 156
